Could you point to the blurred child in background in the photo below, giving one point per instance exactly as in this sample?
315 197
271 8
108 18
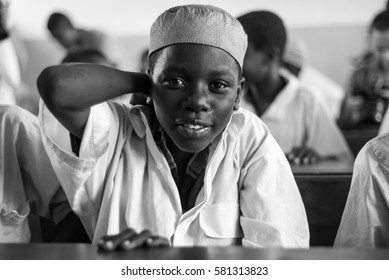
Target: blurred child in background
294 116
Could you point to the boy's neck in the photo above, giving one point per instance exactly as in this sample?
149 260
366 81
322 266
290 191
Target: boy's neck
264 92
180 157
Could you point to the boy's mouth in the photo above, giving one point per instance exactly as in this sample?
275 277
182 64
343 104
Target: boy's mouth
193 128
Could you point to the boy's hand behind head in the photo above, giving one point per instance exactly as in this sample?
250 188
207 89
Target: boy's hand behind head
302 155
129 239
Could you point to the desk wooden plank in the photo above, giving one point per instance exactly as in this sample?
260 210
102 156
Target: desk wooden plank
34 251
325 167
324 198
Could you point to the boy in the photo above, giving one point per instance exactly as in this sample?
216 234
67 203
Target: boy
368 94
12 59
70 37
295 118
190 168
365 220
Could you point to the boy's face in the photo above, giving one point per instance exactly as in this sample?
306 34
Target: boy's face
194 91
255 65
65 35
379 45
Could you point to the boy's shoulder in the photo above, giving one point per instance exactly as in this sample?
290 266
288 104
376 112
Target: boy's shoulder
246 124
377 148
15 114
294 95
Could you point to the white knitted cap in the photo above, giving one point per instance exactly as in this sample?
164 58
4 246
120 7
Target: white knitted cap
199 24
296 53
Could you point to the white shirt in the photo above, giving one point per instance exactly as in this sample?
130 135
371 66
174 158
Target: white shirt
324 89
27 180
10 77
296 117
122 180
365 220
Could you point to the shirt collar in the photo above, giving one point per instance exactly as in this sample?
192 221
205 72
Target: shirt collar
140 117
280 106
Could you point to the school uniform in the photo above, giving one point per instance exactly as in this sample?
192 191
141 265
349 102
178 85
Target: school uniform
10 79
123 179
324 89
365 220
296 118
28 183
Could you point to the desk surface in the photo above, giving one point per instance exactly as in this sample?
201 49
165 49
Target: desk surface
90 252
325 167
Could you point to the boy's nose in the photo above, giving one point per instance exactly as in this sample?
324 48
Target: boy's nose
197 100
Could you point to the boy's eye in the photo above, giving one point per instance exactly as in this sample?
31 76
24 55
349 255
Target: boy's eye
173 82
218 86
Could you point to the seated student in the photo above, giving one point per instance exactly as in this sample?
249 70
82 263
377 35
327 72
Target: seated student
367 97
365 220
13 60
295 118
328 92
191 169
28 183
71 38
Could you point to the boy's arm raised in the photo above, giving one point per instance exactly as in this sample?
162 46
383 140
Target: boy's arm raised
70 90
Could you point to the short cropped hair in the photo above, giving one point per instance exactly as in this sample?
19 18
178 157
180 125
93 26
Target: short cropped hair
380 22
264 30
55 19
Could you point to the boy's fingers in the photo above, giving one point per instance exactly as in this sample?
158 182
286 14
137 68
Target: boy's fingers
157 241
304 156
135 241
309 157
312 157
292 154
111 242
302 152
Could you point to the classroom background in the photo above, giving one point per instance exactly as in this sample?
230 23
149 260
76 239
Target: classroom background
333 30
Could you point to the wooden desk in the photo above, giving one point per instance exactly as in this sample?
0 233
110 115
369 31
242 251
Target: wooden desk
358 137
326 167
324 189
90 252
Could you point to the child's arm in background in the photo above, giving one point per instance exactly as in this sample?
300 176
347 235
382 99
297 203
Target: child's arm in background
70 90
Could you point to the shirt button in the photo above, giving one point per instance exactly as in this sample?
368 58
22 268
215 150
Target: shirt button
159 165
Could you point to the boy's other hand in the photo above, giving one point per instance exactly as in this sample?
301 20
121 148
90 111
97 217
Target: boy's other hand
302 155
129 239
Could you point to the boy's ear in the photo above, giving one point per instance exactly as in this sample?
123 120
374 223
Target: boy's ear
239 93
273 53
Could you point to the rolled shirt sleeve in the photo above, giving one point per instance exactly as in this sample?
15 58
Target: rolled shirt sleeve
73 171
